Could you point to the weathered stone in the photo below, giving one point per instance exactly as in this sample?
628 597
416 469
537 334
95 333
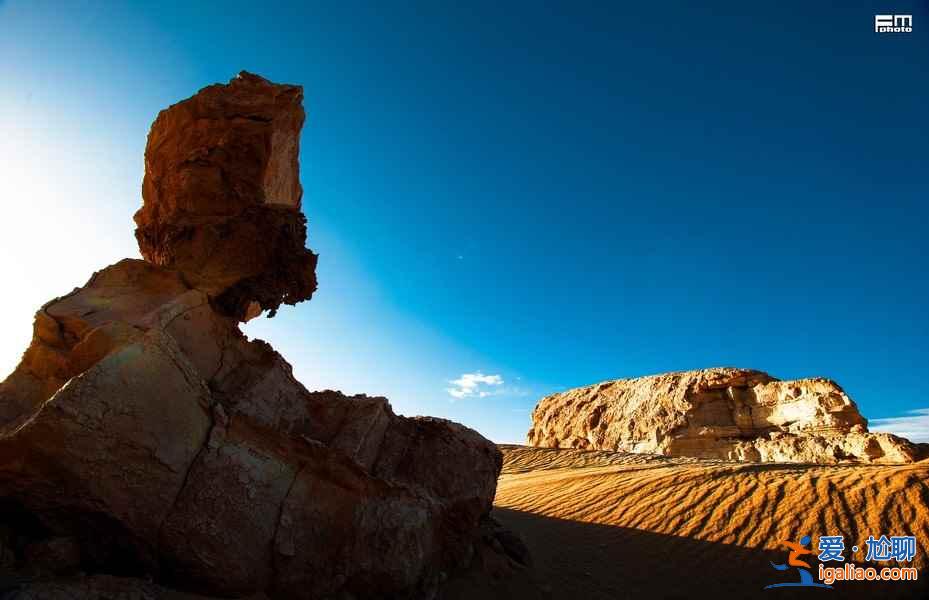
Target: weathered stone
55 555
222 195
7 553
500 569
203 459
97 587
143 424
725 413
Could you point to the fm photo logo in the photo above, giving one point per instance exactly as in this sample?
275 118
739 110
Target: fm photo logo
893 23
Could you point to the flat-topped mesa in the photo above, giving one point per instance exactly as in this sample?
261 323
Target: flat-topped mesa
735 414
222 195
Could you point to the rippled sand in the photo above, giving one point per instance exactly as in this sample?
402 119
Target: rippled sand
616 525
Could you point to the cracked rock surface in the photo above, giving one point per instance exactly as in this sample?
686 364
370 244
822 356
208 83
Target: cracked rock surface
734 414
144 426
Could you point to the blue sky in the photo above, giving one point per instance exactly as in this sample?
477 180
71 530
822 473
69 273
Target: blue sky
513 199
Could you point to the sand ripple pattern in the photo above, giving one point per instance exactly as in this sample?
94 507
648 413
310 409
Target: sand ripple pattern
752 505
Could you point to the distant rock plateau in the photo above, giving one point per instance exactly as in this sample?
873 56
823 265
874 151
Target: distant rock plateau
722 413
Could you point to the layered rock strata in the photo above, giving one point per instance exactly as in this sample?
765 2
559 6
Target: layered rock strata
735 414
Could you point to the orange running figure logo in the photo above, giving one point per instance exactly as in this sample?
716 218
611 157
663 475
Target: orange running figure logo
793 560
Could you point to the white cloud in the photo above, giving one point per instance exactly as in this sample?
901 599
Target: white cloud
914 426
475 385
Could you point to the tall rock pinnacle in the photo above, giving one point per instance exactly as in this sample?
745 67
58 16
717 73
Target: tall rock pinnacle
146 429
222 195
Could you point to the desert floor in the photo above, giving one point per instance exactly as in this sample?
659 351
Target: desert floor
613 525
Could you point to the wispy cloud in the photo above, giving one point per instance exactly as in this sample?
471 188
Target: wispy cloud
475 385
914 426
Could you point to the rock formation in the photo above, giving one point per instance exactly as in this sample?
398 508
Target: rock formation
143 427
734 414
222 195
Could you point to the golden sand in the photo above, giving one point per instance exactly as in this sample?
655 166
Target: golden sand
614 525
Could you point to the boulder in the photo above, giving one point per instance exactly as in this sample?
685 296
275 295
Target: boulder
736 414
222 195
143 426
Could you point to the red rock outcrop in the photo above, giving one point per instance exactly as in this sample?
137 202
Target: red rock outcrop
736 414
143 426
222 195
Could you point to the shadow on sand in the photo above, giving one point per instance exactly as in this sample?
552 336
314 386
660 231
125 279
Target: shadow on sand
592 561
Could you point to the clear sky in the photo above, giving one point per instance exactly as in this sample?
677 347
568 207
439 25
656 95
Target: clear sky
510 200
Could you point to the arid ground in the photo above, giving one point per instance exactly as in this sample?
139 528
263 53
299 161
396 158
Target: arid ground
614 525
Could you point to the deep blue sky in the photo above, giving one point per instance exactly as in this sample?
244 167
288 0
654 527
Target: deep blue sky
553 193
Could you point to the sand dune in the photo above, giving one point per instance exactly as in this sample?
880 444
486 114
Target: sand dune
612 525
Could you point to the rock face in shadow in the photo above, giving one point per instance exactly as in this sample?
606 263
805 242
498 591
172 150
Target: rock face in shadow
735 414
143 426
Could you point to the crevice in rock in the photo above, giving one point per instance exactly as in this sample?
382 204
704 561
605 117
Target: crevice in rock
204 445
277 529
182 313
256 118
